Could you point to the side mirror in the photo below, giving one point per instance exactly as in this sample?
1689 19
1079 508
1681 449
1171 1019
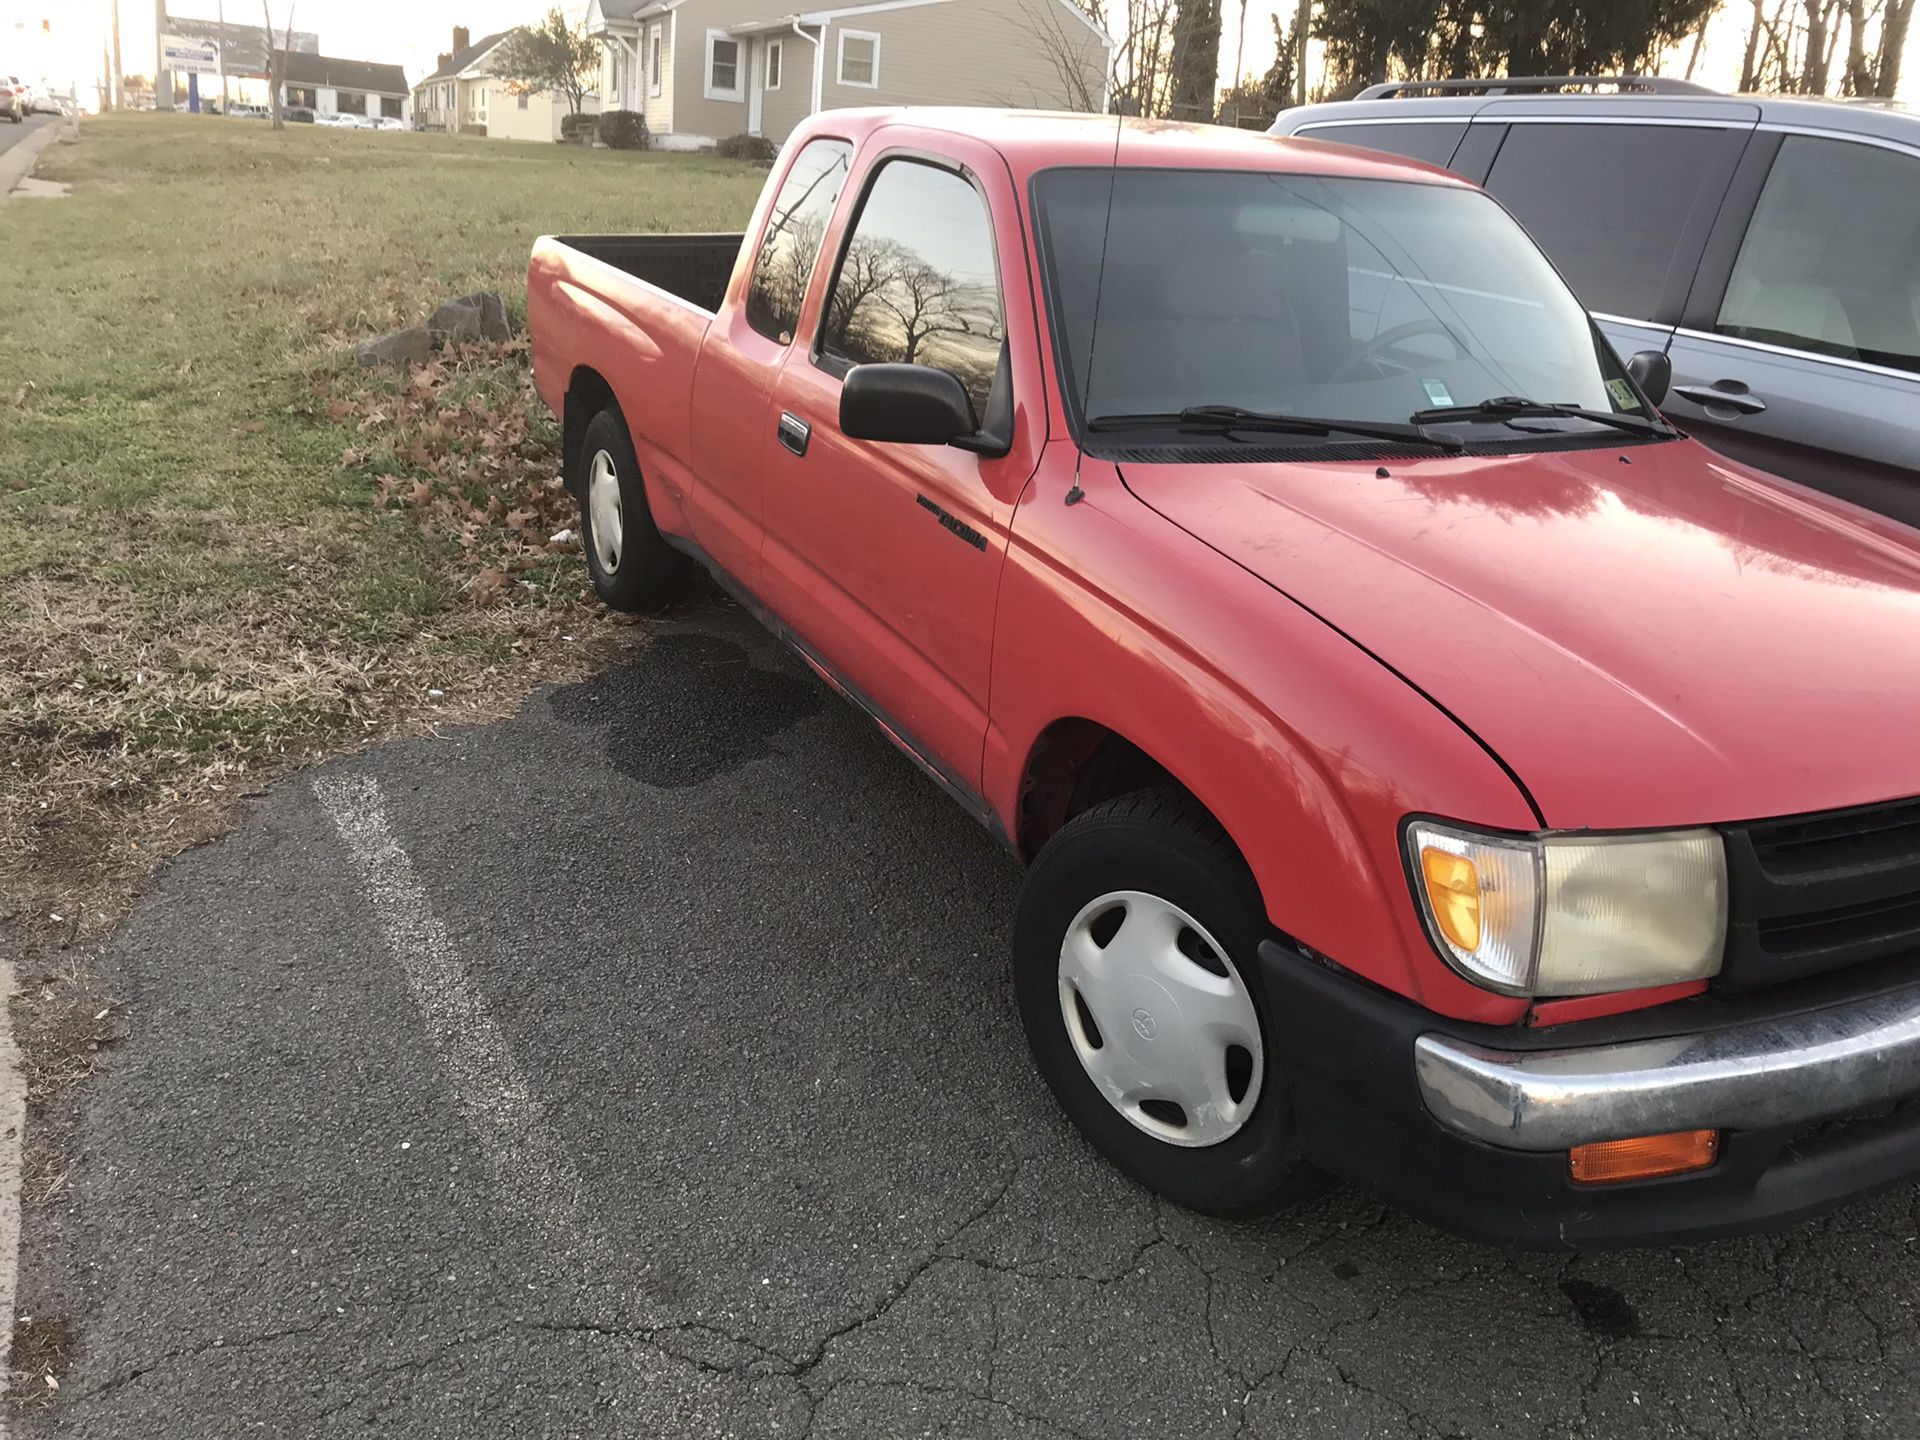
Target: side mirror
1652 371
905 405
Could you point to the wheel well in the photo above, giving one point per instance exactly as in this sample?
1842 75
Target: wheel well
1074 766
588 394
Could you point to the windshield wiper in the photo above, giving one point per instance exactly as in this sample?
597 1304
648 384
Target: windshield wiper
1220 419
1515 407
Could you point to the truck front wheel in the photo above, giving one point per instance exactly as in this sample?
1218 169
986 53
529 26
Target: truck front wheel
1135 973
632 566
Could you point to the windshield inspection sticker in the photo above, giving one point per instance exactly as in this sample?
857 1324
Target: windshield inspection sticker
1623 395
1437 392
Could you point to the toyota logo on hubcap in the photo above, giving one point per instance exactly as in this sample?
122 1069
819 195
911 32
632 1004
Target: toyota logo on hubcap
1143 1023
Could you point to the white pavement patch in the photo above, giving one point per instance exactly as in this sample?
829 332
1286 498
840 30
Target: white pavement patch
13 1130
530 1170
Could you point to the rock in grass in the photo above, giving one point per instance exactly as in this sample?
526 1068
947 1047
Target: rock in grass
405 347
472 317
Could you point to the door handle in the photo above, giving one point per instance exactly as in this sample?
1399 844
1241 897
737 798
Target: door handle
795 433
1709 396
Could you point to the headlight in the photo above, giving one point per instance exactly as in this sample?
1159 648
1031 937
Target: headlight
1572 914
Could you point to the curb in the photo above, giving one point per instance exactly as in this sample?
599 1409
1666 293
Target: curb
17 164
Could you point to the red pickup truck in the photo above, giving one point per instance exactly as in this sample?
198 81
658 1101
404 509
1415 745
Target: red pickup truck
1431 766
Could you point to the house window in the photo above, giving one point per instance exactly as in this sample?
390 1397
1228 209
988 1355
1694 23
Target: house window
723 66
523 99
776 60
653 60
392 107
860 59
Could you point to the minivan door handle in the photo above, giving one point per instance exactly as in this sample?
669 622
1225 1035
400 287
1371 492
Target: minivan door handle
1722 393
795 433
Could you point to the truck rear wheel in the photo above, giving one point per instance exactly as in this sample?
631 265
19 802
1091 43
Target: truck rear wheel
1135 973
632 565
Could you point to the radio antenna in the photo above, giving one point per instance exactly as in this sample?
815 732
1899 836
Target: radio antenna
1075 495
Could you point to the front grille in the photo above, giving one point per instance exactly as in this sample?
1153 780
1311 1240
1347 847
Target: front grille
1813 893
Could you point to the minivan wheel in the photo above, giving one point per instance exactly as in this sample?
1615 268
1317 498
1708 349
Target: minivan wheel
1137 984
632 565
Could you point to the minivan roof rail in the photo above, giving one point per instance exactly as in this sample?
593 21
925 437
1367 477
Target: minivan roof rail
1533 85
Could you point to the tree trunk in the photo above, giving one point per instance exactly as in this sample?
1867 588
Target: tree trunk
1753 47
1893 45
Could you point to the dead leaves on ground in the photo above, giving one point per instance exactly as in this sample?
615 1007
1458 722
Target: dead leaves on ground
463 447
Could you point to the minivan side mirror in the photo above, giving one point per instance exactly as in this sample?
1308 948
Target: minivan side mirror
1652 371
905 405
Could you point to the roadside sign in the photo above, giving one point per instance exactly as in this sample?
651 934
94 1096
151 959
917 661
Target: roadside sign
186 56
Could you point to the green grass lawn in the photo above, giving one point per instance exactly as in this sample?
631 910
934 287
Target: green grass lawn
209 561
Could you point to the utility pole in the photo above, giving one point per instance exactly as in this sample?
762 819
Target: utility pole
162 80
114 98
223 58
1303 22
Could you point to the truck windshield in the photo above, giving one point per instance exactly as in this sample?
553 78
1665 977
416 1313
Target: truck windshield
1338 298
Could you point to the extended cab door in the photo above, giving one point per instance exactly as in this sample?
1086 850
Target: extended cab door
743 355
1800 349
885 559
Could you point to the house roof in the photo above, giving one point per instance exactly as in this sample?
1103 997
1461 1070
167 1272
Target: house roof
298 68
467 58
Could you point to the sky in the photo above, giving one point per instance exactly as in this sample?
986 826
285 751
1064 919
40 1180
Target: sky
412 33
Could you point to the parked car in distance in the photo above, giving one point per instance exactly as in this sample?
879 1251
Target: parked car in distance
13 99
387 122
1430 766
335 122
238 111
1770 246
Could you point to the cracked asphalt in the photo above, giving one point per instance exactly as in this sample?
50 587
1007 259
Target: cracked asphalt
745 968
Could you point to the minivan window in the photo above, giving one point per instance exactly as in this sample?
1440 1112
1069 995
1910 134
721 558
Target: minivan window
1434 143
1608 202
795 231
918 283
1308 295
1819 272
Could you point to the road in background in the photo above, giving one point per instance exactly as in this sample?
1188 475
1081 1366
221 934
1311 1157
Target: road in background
645 1066
11 134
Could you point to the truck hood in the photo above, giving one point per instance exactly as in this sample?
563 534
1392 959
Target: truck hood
1647 634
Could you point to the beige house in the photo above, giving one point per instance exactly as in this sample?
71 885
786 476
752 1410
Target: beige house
464 97
701 70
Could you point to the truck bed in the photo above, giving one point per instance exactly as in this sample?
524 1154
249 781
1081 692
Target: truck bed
695 268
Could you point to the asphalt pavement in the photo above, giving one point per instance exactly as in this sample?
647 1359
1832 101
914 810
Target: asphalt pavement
645 1066
11 134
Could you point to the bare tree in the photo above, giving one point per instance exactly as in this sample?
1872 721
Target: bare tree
276 64
1070 51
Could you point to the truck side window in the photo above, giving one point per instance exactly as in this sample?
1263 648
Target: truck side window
794 233
1608 203
1851 290
918 283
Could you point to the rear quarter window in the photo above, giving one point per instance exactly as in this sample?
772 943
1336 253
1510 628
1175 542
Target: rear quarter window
1433 143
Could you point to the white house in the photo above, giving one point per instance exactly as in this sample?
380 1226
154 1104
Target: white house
464 97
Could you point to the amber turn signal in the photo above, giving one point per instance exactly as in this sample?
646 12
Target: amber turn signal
1453 895
1645 1157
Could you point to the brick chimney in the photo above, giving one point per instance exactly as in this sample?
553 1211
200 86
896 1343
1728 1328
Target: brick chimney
461 39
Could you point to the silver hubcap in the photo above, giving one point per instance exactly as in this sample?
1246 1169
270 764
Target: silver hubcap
1161 1019
603 504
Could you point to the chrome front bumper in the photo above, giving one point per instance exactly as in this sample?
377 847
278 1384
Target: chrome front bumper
1792 1070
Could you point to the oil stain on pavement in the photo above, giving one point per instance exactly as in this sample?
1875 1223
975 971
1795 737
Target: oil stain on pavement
659 717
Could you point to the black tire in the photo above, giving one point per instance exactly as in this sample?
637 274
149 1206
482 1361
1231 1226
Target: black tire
646 572
1163 843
